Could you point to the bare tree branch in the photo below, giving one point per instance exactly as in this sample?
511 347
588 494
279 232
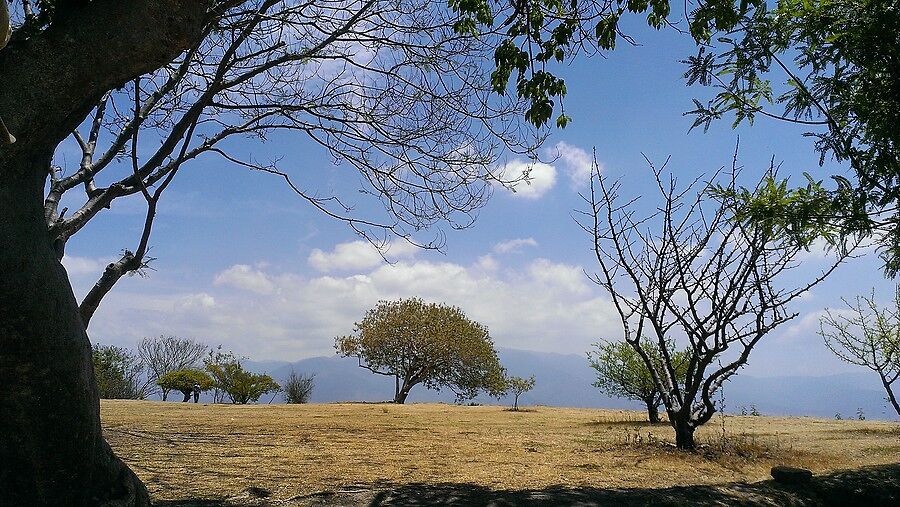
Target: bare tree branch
388 88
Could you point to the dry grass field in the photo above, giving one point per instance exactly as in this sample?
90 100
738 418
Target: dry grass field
215 451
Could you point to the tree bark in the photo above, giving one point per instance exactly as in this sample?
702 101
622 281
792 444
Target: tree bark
51 446
652 411
51 81
684 432
890 392
403 393
53 452
187 396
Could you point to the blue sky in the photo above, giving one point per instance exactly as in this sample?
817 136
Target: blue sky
243 262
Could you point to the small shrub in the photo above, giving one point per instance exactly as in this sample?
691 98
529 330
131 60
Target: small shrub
240 385
298 388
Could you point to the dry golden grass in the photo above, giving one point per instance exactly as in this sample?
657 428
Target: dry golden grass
209 451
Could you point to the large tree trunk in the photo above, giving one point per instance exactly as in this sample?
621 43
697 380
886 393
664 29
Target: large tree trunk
52 451
403 393
652 411
684 431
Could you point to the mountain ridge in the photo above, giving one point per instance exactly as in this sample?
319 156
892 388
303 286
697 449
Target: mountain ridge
565 380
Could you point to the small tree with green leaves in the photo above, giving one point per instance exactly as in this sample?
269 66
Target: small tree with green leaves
238 384
215 358
517 386
867 335
119 373
622 373
298 387
184 381
425 343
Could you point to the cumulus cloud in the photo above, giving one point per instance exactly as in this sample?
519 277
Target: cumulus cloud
577 163
201 300
545 305
80 266
514 245
245 277
487 263
533 179
356 255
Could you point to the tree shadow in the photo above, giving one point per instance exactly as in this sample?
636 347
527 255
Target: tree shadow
642 424
873 486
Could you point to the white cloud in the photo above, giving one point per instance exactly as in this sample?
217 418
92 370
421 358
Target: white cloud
486 263
803 328
577 163
514 245
196 301
817 251
539 178
245 277
544 306
566 278
358 255
79 266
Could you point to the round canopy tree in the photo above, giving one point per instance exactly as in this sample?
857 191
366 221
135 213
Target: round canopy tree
425 343
184 381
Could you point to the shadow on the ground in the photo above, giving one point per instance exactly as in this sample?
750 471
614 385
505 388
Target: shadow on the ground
627 422
874 486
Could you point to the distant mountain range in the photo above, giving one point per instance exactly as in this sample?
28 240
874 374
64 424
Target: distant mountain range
564 380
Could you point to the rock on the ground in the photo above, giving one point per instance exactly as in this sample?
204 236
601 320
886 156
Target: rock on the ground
251 496
791 475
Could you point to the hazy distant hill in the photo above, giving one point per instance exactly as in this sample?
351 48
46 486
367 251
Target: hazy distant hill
565 380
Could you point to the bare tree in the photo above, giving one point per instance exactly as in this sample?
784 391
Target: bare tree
868 335
165 354
692 273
